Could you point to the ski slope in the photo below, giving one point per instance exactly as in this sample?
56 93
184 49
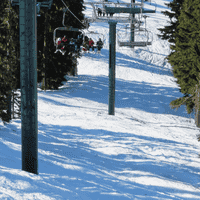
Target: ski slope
145 151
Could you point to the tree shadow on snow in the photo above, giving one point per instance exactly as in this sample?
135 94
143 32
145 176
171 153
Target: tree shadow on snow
128 94
111 175
94 164
130 62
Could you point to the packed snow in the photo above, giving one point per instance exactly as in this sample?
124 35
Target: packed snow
145 151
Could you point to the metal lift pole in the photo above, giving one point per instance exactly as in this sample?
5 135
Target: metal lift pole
28 77
112 44
132 26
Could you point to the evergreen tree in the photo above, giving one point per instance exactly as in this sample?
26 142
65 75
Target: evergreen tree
5 69
169 32
14 61
15 43
185 58
9 60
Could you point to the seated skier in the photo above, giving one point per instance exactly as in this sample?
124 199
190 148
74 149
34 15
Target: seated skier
86 38
99 45
86 44
111 14
71 45
79 41
60 46
104 11
91 43
64 42
99 12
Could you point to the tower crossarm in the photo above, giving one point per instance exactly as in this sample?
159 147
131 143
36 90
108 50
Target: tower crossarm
112 3
127 10
43 3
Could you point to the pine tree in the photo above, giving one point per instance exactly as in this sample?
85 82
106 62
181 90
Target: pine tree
185 58
169 32
14 61
5 69
9 60
14 45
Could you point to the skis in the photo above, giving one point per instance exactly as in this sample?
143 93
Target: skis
61 51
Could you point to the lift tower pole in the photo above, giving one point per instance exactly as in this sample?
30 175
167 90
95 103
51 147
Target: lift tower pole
112 46
28 78
132 26
112 38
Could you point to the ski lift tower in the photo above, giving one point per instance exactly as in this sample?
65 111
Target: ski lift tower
132 9
105 5
125 8
28 79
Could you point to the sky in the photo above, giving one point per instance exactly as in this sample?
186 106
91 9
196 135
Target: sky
145 150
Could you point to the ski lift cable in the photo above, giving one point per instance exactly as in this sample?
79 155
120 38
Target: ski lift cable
54 39
72 13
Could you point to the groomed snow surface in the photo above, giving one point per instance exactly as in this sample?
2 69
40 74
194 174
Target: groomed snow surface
145 151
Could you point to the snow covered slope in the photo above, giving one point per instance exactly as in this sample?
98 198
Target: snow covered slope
145 151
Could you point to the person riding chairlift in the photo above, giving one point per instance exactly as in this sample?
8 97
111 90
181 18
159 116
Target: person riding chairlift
99 45
99 12
91 43
60 45
72 45
79 41
86 43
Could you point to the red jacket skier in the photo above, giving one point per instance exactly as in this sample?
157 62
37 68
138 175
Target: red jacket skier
91 42
64 39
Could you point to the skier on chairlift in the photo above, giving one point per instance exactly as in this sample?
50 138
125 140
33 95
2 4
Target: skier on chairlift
86 44
111 14
60 45
104 11
71 45
91 43
76 45
99 45
99 12
79 41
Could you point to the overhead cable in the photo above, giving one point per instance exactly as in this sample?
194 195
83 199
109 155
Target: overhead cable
72 13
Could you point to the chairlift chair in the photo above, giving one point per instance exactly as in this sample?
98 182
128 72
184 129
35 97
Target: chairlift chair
95 37
105 17
137 30
142 43
71 34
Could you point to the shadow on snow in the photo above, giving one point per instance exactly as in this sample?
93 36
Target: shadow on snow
128 94
71 165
